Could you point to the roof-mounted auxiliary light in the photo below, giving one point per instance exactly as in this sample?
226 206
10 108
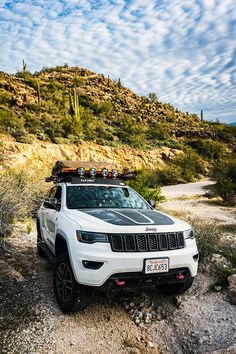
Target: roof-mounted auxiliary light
104 172
114 173
93 171
81 171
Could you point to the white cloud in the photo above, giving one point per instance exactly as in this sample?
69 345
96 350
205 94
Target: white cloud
180 50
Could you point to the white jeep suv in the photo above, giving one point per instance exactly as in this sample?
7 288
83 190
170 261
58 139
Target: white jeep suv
101 233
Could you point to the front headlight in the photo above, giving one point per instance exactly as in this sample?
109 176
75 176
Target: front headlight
189 234
91 237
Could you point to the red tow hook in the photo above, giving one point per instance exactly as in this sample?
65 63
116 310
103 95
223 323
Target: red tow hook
119 282
180 276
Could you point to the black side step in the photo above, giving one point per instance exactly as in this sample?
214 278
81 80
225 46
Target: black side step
51 258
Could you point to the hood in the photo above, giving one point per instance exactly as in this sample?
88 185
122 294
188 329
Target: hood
114 220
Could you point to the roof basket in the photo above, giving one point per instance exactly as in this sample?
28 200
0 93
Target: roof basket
65 170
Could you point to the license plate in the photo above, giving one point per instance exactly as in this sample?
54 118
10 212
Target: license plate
156 265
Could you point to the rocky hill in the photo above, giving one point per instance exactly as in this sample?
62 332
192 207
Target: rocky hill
75 103
59 112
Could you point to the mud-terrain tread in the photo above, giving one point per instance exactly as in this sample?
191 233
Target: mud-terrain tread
80 297
176 289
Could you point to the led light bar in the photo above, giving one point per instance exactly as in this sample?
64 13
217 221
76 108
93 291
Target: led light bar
93 171
81 171
105 172
114 173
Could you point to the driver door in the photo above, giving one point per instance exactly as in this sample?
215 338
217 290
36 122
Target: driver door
50 215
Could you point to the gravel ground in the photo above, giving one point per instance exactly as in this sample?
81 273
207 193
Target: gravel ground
31 322
200 321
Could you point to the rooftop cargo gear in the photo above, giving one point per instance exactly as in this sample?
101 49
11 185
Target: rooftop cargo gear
65 170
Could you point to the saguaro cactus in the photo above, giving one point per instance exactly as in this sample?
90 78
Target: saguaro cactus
201 115
74 105
24 66
39 94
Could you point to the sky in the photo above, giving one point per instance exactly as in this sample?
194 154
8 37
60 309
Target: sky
183 50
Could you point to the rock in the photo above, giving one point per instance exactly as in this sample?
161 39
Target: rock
232 289
134 351
150 344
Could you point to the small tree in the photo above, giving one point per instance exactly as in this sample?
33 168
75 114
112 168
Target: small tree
152 97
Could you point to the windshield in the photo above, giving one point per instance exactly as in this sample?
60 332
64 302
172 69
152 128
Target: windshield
79 197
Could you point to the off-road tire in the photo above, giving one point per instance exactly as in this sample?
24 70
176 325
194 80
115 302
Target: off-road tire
177 288
71 296
40 251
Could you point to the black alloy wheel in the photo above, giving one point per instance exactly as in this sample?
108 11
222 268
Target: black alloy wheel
71 296
64 282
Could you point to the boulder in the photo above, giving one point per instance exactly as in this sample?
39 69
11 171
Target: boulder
232 289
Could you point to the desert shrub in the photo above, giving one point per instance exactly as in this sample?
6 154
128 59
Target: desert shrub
24 74
130 132
159 131
191 165
213 150
142 185
171 174
26 138
5 96
208 237
103 108
9 121
18 198
224 173
184 168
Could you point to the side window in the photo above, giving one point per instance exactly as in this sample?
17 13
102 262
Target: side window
55 192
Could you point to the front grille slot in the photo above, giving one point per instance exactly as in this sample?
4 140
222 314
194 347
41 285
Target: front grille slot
153 242
142 243
129 241
146 242
117 243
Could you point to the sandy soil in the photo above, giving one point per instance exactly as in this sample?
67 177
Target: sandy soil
199 321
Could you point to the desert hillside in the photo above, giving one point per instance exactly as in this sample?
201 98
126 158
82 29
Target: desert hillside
77 104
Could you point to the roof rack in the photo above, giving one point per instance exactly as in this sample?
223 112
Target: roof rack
65 171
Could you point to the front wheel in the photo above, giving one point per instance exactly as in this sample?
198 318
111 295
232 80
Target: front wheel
71 296
177 288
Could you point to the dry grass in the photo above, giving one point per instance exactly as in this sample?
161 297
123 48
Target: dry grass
19 198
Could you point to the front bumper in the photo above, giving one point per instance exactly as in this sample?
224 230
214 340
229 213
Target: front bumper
116 262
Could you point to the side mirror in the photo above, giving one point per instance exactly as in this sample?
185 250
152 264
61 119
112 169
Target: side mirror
152 203
52 203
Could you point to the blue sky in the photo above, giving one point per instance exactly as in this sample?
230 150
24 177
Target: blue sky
184 50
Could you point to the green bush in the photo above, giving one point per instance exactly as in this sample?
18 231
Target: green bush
9 121
224 173
159 131
213 150
183 169
142 186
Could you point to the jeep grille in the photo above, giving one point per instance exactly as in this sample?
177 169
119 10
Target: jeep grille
146 242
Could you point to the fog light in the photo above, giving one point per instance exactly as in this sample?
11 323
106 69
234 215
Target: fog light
92 264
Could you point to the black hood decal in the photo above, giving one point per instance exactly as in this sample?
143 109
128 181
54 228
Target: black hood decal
130 217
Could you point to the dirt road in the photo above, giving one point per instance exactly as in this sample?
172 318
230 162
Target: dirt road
136 322
189 200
